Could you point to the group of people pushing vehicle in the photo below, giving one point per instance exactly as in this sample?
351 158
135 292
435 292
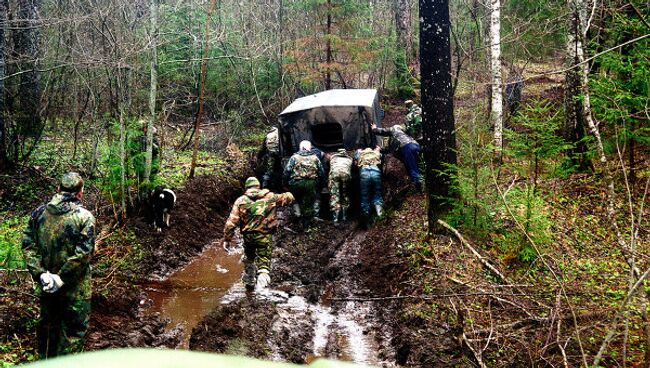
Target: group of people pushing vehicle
255 212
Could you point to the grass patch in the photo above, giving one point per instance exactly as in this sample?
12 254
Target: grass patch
11 232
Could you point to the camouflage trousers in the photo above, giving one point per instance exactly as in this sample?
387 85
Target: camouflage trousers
63 322
257 250
338 185
305 191
271 165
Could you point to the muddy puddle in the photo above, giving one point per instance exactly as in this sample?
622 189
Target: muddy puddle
194 291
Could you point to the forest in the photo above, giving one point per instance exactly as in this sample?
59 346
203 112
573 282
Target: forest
528 244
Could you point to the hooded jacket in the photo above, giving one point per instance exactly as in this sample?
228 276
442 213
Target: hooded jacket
60 238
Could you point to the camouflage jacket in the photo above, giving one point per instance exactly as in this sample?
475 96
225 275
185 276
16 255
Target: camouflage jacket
368 157
304 165
397 134
60 238
255 212
340 165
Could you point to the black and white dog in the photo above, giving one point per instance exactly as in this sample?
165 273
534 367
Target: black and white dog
162 203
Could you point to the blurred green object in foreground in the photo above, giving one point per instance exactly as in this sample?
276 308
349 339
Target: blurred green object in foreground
162 358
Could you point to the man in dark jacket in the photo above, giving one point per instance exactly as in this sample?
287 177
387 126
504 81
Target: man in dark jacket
409 149
57 244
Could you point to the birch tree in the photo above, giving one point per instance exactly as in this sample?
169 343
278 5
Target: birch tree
574 105
437 102
496 111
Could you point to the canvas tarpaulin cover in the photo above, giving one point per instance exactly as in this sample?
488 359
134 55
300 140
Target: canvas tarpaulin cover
331 119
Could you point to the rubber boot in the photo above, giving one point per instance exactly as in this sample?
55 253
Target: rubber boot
316 209
263 280
379 210
344 214
336 215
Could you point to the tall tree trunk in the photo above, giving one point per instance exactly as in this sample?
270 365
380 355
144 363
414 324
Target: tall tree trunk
204 72
121 105
328 47
27 40
403 26
281 47
574 123
437 102
496 110
4 162
403 47
153 86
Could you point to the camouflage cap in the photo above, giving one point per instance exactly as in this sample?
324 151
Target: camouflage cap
71 182
252 182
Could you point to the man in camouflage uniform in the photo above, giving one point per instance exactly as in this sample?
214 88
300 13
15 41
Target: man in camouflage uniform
304 173
414 120
368 161
255 214
338 184
57 245
408 151
272 156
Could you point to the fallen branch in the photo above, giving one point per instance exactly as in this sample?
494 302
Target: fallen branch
482 259
495 296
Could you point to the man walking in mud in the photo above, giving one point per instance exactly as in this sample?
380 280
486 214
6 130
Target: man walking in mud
255 214
304 173
338 184
57 245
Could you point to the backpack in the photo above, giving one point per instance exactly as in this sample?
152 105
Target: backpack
368 157
305 167
273 141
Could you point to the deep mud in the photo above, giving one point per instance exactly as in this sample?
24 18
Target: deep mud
198 218
120 319
314 309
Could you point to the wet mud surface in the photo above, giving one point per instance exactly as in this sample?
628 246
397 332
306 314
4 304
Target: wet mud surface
124 318
316 305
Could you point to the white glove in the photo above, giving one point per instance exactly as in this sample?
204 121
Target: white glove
46 280
226 247
263 279
55 285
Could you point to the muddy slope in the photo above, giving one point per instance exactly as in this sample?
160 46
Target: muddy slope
197 219
319 274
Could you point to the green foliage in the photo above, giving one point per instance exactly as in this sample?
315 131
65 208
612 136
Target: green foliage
401 82
537 31
535 138
532 144
124 261
530 210
11 231
621 89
